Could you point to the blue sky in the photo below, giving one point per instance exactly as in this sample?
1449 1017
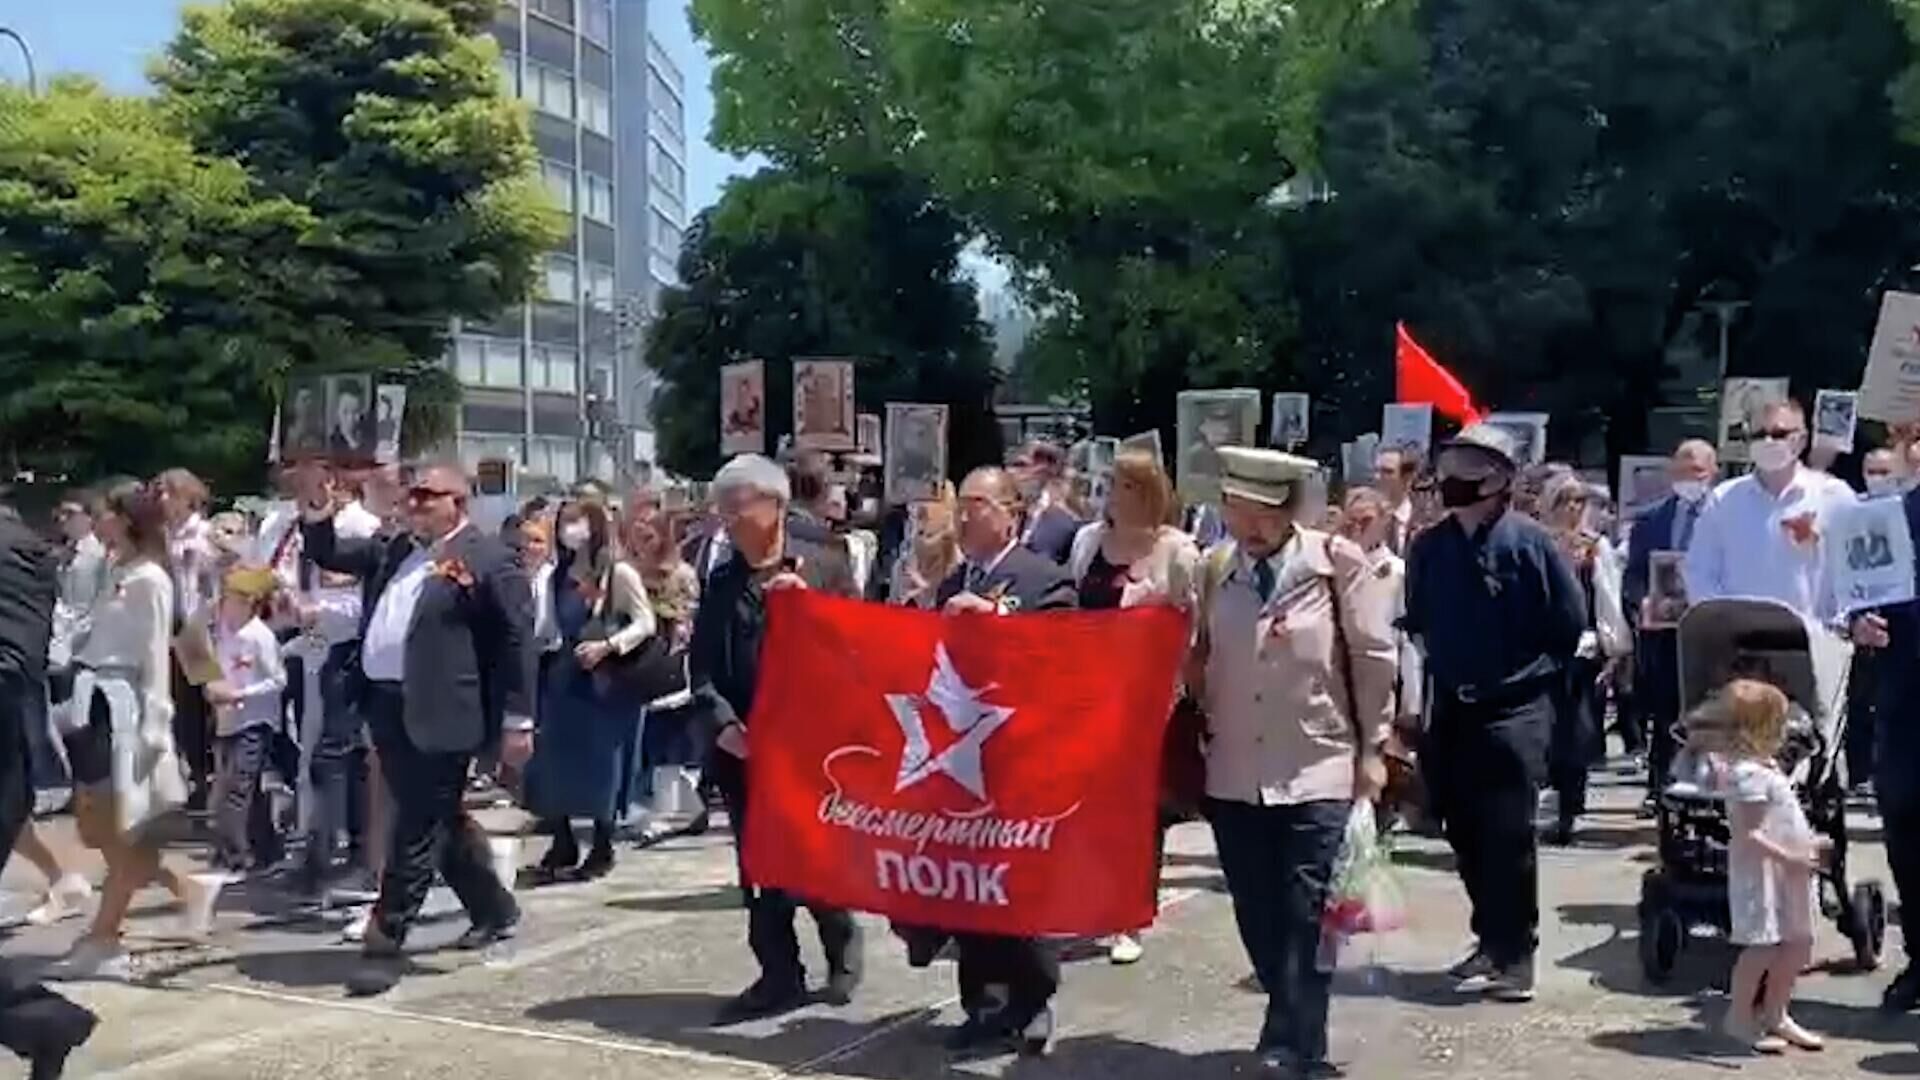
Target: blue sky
112 40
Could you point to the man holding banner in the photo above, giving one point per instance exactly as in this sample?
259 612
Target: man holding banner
966 771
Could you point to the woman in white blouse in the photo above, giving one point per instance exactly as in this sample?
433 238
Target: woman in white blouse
128 779
1135 557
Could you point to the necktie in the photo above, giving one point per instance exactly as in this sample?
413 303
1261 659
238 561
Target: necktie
1263 579
1683 536
976 578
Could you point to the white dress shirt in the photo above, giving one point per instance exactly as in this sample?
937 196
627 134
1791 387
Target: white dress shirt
383 651
196 575
1752 543
249 665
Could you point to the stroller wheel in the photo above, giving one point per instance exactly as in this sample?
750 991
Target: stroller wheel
1662 934
1869 930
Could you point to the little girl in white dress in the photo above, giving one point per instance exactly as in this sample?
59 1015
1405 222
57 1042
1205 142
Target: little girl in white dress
1772 867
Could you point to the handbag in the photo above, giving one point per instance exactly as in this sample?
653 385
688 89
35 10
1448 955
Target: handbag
647 673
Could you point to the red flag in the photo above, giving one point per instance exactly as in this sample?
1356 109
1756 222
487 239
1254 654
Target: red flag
973 772
1419 379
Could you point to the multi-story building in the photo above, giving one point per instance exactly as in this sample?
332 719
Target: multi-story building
549 385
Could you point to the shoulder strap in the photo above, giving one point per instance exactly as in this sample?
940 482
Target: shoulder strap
1343 657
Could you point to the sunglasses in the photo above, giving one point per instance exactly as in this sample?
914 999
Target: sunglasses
427 494
1778 433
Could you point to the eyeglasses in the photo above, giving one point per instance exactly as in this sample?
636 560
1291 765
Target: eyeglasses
427 494
1779 433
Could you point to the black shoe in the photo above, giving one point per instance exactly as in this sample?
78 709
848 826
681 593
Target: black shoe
598 865
699 825
1036 1039
763 999
377 974
979 1030
480 936
841 986
1903 993
1560 835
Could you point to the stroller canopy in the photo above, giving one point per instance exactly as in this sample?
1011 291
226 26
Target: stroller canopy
1721 640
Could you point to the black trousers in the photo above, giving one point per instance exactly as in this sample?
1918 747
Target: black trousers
192 738
1028 967
1656 694
1279 866
432 829
1863 710
771 913
336 759
1576 736
243 817
1484 765
1901 825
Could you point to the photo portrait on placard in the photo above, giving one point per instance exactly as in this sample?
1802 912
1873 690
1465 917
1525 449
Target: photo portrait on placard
1291 417
1408 429
1207 420
743 408
303 419
1529 431
1741 402
916 452
350 416
390 412
1145 440
1644 481
1666 590
823 417
1835 416
867 435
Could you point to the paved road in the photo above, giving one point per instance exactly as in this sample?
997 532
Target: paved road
621 979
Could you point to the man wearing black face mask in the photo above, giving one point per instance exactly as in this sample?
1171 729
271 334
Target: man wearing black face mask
1498 614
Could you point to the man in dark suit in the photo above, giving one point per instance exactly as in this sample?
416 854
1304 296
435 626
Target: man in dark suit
1040 471
1668 526
446 671
768 549
1895 633
1001 577
36 1024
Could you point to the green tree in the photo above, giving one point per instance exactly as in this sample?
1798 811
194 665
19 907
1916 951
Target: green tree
793 264
387 121
139 289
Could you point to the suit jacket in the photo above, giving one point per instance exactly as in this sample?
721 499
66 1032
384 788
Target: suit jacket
471 659
1033 581
1653 532
1052 534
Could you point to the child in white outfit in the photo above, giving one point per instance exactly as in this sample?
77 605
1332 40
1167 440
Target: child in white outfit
1772 868
246 703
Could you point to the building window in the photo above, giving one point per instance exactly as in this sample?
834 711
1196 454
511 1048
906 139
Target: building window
596 110
596 20
600 286
555 368
560 11
561 281
664 102
666 171
550 90
559 181
666 236
475 449
487 361
599 198
664 271
553 457
510 73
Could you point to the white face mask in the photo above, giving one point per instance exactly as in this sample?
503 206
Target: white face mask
1883 485
574 535
1690 491
1772 455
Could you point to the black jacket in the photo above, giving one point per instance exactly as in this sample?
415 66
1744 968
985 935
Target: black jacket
723 659
470 652
1052 534
1033 581
29 582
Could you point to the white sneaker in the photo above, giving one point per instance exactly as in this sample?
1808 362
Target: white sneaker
203 895
91 958
356 930
1125 949
65 899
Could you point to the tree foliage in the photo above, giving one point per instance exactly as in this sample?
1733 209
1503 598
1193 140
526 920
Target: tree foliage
792 265
139 287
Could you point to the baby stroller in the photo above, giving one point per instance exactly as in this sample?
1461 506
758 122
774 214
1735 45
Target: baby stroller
1721 640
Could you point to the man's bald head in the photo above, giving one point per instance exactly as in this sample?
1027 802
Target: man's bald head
1695 460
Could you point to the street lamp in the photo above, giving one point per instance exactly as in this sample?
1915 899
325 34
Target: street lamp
33 79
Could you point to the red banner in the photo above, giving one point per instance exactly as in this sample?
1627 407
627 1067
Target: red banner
983 773
1419 379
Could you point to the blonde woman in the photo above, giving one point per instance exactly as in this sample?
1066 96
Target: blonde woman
931 553
127 775
1135 557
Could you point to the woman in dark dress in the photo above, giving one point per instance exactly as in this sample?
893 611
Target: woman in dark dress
1131 558
599 611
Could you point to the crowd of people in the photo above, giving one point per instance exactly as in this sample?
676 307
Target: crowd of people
329 682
